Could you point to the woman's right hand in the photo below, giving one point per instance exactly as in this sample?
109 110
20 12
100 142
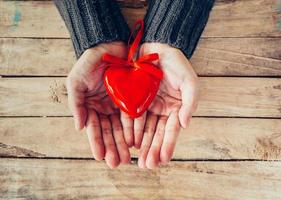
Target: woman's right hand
92 107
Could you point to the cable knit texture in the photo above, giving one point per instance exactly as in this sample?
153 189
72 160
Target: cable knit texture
178 23
91 22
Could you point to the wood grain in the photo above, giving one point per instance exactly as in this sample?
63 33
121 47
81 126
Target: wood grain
251 18
213 57
41 19
242 38
206 138
78 179
240 97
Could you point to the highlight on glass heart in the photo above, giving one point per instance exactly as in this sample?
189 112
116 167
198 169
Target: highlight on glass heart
132 84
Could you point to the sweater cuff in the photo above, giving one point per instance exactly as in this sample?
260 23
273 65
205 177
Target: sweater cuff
178 23
91 22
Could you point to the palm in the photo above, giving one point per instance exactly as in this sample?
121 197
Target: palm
168 97
90 70
96 96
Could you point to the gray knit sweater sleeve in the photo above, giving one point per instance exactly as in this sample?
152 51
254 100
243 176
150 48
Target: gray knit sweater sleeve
178 23
91 22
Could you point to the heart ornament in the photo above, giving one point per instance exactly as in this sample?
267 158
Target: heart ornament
132 84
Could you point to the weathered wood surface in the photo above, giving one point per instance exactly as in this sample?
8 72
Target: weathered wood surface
206 138
241 97
241 18
72 179
41 19
213 57
242 38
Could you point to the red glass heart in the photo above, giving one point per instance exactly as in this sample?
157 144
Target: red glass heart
132 85
131 89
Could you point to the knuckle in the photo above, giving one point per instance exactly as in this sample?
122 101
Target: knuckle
155 147
103 117
142 117
138 130
119 143
145 146
98 140
93 124
170 131
126 117
148 130
111 145
162 120
159 132
117 128
106 130
128 129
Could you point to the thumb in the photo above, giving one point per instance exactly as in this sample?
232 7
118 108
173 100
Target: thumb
76 103
189 93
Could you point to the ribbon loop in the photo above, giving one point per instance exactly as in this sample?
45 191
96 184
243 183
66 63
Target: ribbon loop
149 58
137 40
113 59
143 63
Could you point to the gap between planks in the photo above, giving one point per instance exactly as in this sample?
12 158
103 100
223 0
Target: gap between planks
134 159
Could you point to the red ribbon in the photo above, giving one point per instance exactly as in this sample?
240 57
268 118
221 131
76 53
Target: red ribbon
143 63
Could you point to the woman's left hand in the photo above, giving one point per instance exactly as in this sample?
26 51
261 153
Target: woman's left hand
156 132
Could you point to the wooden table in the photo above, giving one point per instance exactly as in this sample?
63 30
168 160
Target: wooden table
232 149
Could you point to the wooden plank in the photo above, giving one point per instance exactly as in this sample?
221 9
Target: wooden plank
240 97
251 18
36 56
41 19
206 138
245 18
213 57
86 179
238 57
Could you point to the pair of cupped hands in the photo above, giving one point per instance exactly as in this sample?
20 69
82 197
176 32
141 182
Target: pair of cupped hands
112 132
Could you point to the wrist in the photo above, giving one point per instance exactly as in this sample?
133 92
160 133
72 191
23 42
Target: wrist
177 22
161 48
93 22
117 48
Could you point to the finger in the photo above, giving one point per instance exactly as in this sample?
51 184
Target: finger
153 157
93 130
189 94
147 139
170 137
111 153
138 130
120 142
76 103
128 128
